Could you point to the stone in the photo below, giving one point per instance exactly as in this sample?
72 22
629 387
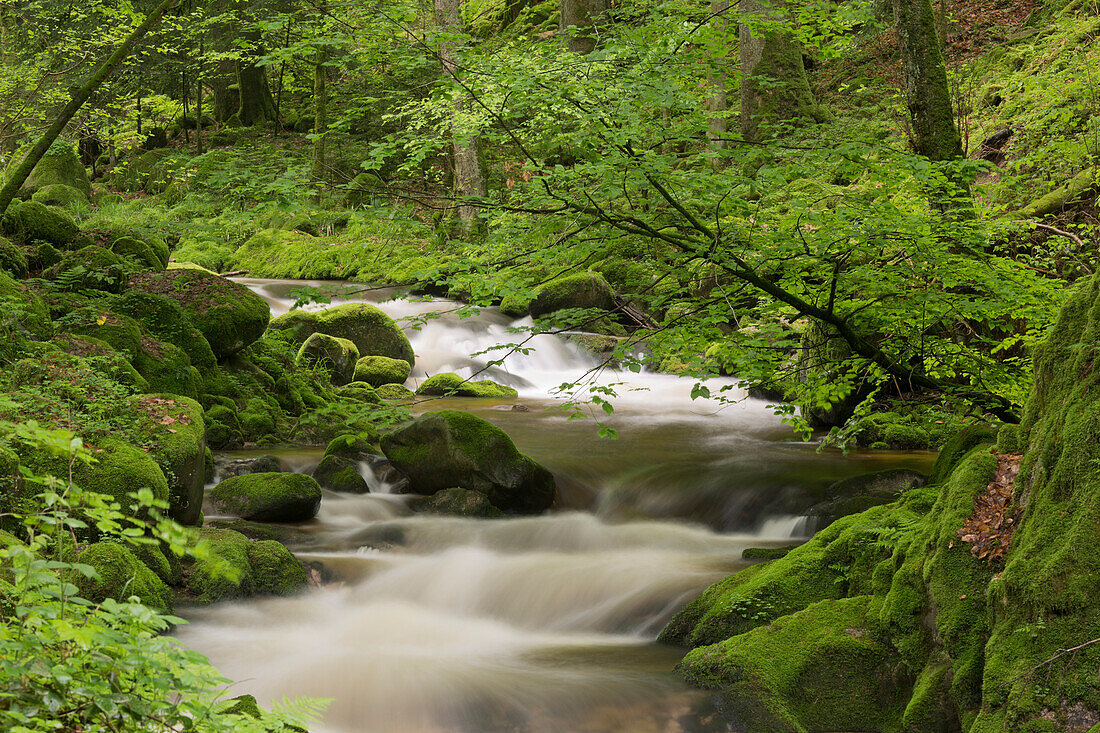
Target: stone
379 370
372 331
340 356
268 497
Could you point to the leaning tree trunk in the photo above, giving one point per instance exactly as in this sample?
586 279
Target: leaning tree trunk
578 24
79 97
468 179
773 78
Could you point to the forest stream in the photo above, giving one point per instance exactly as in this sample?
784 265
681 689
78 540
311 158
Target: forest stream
542 623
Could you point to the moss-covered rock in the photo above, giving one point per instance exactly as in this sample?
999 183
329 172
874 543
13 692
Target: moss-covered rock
167 368
139 253
445 449
44 256
956 447
30 221
228 314
60 195
360 392
165 319
354 446
379 370
12 259
223 428
452 385
394 392
175 429
268 497
31 315
340 474
120 332
372 331
59 165
338 355
91 268
240 568
456 502
120 575
583 290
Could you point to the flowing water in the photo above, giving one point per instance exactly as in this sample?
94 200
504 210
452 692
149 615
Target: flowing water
539 623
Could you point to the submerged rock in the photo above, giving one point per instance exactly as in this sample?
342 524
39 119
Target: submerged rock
457 502
440 450
372 331
268 497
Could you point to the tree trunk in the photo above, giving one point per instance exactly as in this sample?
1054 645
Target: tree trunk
79 97
198 103
927 93
579 23
257 104
468 179
320 119
718 124
773 78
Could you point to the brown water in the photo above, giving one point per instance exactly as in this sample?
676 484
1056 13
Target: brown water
541 623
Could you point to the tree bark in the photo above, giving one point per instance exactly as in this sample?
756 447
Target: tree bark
320 119
257 104
579 23
773 78
469 182
79 97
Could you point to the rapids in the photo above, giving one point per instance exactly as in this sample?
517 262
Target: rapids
538 623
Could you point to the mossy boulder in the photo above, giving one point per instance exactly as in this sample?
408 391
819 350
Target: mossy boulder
340 474
338 355
120 332
44 256
12 259
167 368
30 221
138 252
457 502
452 385
31 315
898 432
583 290
60 195
394 392
355 446
379 370
360 392
91 268
268 497
58 165
241 568
958 446
441 450
223 428
174 428
120 575
164 318
372 331
228 314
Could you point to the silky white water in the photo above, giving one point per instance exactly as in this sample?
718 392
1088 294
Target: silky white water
539 623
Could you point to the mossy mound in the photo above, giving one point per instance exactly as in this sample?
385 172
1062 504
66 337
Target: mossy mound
355 446
12 259
457 502
120 332
379 370
394 392
583 290
228 314
372 331
30 311
60 195
223 428
30 221
268 497
338 355
899 432
165 319
340 474
120 575
59 165
137 252
167 368
451 385
360 392
91 268
242 568
441 450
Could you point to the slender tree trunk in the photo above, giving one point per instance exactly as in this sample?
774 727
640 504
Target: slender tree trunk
579 24
773 78
279 88
198 102
139 114
718 124
79 97
186 106
469 182
320 119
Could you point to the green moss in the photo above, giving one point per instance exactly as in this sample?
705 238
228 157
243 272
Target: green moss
458 502
241 568
12 259
60 195
354 446
30 221
956 447
174 428
338 355
167 368
27 308
583 290
137 252
394 392
223 429
92 268
60 164
119 575
379 370
165 319
229 315
340 474
120 332
275 570
450 384
268 497
360 391
372 331
44 256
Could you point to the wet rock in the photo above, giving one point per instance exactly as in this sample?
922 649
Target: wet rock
340 474
450 384
372 331
379 370
584 290
457 502
445 449
268 497
859 493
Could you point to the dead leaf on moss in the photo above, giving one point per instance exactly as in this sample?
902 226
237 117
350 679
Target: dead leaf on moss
990 526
